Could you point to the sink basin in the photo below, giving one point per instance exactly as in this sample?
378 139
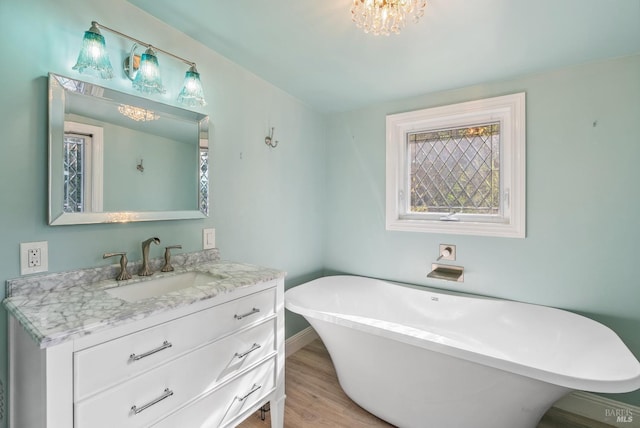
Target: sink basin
160 286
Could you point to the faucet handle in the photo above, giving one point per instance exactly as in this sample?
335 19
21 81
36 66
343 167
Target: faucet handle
167 258
124 275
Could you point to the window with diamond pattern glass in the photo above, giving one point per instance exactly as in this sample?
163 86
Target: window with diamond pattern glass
458 168
455 170
74 146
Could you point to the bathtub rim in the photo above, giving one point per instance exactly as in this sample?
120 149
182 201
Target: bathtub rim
621 385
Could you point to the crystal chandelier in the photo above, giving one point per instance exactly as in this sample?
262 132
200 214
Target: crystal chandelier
137 113
386 16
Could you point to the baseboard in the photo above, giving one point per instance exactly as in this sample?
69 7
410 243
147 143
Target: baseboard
597 408
299 340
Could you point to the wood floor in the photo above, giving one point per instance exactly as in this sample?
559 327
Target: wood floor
315 399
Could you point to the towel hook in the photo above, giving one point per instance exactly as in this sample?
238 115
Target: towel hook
268 140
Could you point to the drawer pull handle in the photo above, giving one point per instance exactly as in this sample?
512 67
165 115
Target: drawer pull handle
167 393
165 345
253 311
244 354
254 388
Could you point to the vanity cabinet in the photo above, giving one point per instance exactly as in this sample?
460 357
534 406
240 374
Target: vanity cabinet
208 364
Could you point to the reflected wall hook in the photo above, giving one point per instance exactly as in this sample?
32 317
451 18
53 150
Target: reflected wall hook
268 140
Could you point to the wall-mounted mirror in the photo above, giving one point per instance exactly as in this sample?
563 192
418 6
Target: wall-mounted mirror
115 157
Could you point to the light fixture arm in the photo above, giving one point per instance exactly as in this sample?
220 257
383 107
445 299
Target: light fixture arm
140 42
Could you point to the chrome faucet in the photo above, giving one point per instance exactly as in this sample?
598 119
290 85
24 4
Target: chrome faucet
145 270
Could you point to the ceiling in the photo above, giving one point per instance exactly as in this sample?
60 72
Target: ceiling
313 51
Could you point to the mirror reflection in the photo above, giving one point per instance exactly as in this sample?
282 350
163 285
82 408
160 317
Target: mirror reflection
115 157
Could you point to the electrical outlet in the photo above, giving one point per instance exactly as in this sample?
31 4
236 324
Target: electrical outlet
34 257
208 239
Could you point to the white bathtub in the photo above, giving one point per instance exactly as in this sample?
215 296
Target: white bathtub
419 357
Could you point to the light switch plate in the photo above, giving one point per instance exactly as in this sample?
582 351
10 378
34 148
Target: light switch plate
208 239
34 257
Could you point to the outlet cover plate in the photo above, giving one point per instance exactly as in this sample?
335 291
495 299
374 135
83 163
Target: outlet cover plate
43 248
208 239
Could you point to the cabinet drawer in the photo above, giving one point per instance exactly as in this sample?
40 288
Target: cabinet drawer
163 389
109 363
223 405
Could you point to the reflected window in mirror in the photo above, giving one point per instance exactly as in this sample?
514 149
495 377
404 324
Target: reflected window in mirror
204 177
82 168
74 146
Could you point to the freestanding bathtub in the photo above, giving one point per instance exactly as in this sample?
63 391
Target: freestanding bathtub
418 357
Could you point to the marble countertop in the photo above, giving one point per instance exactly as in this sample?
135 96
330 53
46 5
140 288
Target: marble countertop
65 312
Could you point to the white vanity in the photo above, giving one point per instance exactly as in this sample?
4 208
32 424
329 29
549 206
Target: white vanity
206 355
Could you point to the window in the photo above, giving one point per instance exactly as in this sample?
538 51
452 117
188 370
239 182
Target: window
74 178
83 166
458 169
203 181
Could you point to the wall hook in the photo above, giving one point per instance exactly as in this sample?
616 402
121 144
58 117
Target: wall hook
139 167
268 140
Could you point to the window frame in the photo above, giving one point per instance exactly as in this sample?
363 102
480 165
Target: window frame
509 111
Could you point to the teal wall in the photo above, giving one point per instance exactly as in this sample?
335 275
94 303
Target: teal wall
583 199
168 165
263 200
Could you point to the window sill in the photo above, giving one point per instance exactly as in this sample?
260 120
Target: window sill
502 230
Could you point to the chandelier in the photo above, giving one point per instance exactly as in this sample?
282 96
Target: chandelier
386 16
137 113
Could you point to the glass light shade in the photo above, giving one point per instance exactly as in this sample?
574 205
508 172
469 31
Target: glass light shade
147 78
383 17
192 94
93 55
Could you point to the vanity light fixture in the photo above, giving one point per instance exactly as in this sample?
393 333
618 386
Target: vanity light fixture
93 54
192 93
147 76
143 70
